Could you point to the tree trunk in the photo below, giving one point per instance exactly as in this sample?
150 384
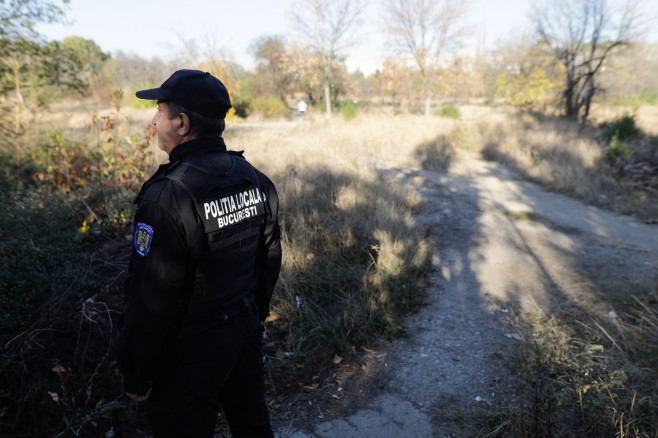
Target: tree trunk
327 98
428 93
17 124
587 101
570 108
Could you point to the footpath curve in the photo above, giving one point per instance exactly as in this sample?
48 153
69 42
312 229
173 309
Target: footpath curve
500 246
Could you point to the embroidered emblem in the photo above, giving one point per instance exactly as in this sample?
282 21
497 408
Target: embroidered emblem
143 238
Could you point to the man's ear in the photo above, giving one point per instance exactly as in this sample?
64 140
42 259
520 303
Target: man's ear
184 128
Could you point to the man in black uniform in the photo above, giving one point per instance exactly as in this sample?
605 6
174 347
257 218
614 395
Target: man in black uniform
206 256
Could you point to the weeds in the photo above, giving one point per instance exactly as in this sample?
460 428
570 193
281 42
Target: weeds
449 111
587 376
624 128
574 160
618 151
353 265
349 109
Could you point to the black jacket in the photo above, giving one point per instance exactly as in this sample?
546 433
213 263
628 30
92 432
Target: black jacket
178 247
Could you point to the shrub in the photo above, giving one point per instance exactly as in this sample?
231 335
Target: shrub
348 109
41 254
242 107
450 111
270 106
618 150
625 127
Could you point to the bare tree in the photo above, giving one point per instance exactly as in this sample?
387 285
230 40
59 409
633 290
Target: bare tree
422 30
327 26
582 35
270 53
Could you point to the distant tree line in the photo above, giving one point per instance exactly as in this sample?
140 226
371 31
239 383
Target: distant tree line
581 50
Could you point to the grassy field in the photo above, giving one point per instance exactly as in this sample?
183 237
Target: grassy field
354 260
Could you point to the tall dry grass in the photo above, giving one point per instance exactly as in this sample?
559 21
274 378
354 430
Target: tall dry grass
562 156
586 374
354 261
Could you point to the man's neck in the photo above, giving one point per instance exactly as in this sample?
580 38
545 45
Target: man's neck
183 139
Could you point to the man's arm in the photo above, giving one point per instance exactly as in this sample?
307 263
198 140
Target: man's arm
270 256
153 295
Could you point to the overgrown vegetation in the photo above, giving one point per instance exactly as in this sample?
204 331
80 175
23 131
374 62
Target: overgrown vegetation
613 166
58 233
354 262
449 111
348 275
643 98
590 377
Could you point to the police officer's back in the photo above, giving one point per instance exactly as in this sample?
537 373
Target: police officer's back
206 256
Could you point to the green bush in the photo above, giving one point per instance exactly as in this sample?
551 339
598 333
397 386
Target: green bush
348 109
41 254
242 107
270 106
618 151
624 127
449 111
119 208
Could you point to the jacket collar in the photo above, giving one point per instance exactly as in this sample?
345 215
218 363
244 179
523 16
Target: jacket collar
198 146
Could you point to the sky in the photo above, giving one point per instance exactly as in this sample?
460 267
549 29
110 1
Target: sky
157 28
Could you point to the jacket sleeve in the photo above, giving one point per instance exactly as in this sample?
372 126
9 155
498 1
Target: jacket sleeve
154 288
270 252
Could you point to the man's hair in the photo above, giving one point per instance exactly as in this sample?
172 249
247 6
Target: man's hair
200 125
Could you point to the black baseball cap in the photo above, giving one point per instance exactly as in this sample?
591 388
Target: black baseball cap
197 91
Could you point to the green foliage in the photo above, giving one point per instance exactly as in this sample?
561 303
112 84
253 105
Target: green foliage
243 100
450 111
17 18
138 103
558 373
648 98
526 88
41 254
643 98
242 107
119 208
624 127
270 106
55 273
109 172
43 71
585 379
248 89
348 109
618 150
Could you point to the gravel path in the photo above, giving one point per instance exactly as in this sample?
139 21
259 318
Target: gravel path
499 244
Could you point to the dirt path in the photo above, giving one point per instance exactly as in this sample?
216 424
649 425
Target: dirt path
501 246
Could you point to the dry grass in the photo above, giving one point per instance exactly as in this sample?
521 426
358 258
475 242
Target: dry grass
586 374
353 261
564 157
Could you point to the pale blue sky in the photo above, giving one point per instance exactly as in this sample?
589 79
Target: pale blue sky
153 27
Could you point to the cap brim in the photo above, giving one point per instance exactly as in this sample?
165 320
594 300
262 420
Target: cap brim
151 94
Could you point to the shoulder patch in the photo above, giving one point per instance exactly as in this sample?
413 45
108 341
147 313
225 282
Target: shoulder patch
143 238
